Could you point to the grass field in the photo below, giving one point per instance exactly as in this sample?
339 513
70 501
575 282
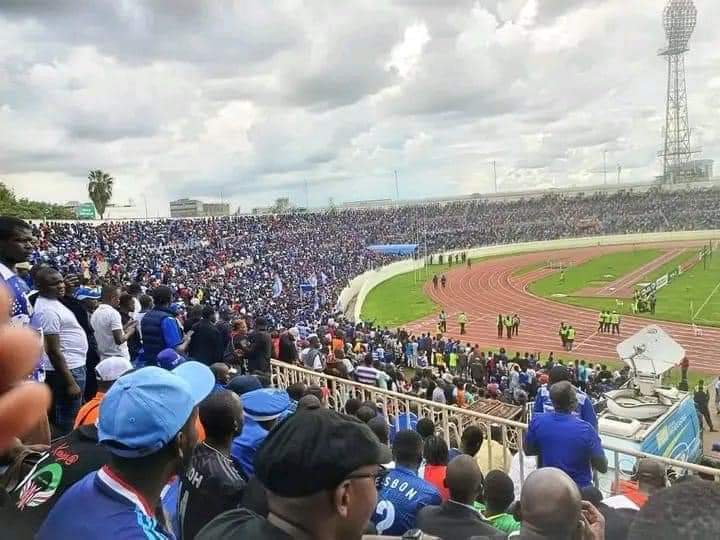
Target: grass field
400 299
698 288
597 271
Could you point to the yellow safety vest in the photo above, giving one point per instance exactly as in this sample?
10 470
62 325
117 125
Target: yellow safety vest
571 333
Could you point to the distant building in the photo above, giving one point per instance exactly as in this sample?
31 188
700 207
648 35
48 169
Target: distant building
190 208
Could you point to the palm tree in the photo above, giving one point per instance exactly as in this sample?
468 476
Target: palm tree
100 187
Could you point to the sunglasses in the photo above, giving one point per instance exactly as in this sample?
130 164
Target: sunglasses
379 476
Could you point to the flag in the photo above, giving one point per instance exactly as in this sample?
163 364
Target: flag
323 277
312 280
277 287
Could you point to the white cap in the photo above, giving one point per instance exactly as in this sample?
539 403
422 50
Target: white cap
112 368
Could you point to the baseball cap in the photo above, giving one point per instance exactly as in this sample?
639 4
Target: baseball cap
265 404
315 451
169 358
144 410
112 368
86 293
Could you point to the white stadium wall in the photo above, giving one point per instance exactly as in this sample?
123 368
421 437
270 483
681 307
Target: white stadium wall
360 286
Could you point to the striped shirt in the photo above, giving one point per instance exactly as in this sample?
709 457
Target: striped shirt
366 374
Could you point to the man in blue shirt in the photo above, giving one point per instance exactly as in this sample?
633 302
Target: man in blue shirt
147 422
160 329
403 493
562 440
583 408
262 409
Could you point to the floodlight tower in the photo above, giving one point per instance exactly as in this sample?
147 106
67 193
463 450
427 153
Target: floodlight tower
679 19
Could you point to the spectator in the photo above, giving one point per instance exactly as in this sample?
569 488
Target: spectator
365 414
456 518
471 440
687 510
82 301
160 328
221 372
147 422
110 333
242 384
309 403
260 347
564 441
403 493
287 349
206 343
651 477
320 469
493 456
295 392
584 408
366 373
311 356
212 485
134 290
499 494
262 409
378 425
66 349
352 405
68 460
435 454
425 427
552 509
106 372
617 521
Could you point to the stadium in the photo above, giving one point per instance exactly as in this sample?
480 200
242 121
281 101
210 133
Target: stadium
535 360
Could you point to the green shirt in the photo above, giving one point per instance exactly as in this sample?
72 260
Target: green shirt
504 522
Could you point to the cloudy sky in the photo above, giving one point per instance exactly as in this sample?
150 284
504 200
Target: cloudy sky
251 99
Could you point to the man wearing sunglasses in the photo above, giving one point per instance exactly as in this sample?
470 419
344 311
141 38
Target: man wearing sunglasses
320 469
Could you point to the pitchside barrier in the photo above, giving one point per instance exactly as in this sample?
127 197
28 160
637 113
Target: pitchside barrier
360 286
450 421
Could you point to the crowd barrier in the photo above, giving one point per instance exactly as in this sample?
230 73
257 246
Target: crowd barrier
450 421
359 287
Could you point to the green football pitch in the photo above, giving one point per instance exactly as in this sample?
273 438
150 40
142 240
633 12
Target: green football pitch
694 296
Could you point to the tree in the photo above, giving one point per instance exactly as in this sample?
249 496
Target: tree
100 188
281 206
23 208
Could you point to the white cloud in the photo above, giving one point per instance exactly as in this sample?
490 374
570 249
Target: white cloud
252 98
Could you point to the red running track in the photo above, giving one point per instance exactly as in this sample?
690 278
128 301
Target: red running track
489 288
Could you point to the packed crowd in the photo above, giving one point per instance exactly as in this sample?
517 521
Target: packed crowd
165 423
241 262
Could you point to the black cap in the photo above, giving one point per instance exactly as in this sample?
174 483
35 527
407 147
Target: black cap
559 373
315 451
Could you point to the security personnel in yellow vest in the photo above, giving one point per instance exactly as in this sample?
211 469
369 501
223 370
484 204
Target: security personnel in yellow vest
570 339
601 322
508 326
462 321
500 325
563 334
615 321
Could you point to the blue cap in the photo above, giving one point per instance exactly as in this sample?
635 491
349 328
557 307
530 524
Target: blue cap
169 359
144 410
265 404
86 293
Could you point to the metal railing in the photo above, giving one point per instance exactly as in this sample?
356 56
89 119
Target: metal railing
450 421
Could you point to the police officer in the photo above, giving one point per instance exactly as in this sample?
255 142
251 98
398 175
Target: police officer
500 324
570 337
508 326
601 322
563 335
615 321
442 320
515 324
462 321
262 409
584 408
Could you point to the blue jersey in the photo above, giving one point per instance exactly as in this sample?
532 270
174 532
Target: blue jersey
401 497
245 446
101 505
20 309
584 409
566 442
